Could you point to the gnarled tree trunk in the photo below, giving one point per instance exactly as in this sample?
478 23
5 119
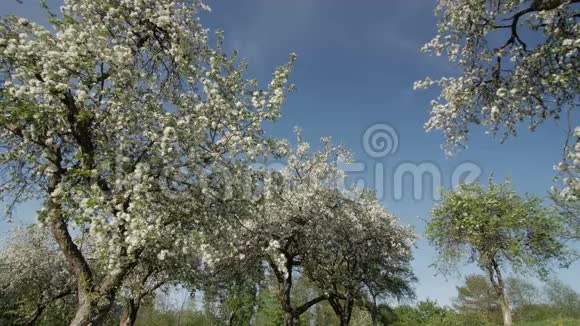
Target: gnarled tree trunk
86 312
130 314
343 312
291 312
93 302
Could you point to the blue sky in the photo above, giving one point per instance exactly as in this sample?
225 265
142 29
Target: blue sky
356 66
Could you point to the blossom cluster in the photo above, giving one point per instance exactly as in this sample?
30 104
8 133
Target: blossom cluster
122 117
519 64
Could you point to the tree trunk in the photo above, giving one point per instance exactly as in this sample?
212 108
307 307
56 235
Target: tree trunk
93 301
344 320
373 312
347 311
130 314
291 316
291 312
499 287
77 265
83 315
291 319
506 311
92 310
343 313
372 307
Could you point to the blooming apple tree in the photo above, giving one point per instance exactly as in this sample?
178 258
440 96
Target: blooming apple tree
110 116
297 205
363 249
282 219
519 63
35 284
300 219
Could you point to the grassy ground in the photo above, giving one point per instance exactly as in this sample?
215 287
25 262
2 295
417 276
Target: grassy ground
551 322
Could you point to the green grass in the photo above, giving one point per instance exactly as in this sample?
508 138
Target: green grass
551 322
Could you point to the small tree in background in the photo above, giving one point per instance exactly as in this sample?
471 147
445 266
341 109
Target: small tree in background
563 298
522 293
152 273
496 228
477 298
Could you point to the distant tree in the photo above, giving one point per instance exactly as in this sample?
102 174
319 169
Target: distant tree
563 298
384 315
324 314
35 286
521 292
163 310
360 317
153 272
240 301
477 297
232 301
496 228
269 312
423 313
519 64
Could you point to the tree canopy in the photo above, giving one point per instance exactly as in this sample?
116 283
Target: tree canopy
519 64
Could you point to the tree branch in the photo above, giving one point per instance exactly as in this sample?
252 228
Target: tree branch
303 308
